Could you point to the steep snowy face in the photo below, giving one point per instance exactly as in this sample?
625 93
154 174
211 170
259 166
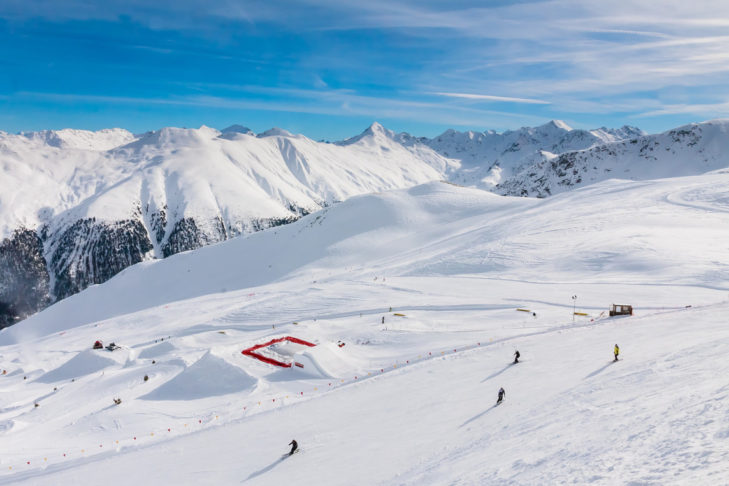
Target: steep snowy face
688 150
101 201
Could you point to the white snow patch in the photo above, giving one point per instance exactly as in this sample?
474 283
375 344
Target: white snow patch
84 363
208 377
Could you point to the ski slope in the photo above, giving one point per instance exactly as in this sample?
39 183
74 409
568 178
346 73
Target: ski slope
408 400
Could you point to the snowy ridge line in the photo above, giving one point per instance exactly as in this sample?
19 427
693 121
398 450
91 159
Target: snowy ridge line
209 420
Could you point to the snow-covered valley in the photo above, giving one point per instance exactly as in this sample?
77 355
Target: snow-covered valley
423 287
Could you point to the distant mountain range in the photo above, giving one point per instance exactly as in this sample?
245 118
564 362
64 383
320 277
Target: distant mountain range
77 207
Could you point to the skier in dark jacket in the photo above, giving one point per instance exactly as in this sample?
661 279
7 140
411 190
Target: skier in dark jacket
294 446
516 356
502 393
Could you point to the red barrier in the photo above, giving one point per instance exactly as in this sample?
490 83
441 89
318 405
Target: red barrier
252 350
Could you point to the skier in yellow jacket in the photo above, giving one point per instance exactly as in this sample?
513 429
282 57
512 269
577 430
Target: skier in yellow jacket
616 352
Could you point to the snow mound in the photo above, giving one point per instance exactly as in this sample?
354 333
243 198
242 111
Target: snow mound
6 426
321 361
84 363
326 361
157 351
18 371
208 377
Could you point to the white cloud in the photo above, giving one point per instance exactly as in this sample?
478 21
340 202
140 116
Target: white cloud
316 102
471 96
706 110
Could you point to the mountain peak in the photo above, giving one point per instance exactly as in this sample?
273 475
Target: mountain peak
375 130
275 132
376 127
173 136
556 125
237 129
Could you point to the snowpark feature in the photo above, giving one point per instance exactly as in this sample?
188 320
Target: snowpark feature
252 351
410 400
208 376
84 363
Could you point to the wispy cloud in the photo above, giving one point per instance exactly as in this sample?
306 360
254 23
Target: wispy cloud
484 97
709 110
319 103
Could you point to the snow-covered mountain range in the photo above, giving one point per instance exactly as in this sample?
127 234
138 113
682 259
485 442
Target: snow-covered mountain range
77 207
489 159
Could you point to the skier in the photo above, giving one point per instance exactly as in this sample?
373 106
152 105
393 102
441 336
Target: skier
616 352
502 393
516 356
294 446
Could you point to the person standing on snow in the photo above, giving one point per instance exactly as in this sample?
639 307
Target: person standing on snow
616 352
502 393
516 356
294 446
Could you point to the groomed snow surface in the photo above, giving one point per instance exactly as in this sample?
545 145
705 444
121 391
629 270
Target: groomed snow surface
410 400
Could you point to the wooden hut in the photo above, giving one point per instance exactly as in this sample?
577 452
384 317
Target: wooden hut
621 310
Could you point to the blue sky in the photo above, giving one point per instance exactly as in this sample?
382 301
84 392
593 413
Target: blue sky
328 69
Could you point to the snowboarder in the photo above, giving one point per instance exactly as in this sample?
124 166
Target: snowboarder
616 352
98 345
516 356
294 446
502 393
